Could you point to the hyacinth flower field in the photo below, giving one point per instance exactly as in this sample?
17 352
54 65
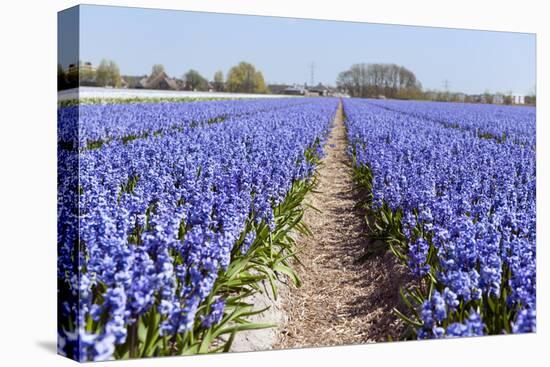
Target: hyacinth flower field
452 193
174 217
162 236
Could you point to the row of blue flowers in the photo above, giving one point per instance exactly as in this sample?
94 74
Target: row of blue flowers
102 123
162 238
499 122
458 210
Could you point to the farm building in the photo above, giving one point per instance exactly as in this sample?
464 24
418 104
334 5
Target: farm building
295 90
159 81
277 88
132 81
319 90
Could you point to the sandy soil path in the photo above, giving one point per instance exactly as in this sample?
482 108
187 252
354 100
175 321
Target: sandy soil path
343 299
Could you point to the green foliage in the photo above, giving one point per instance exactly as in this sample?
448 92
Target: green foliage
244 78
87 75
374 80
157 69
108 74
195 81
218 81
94 144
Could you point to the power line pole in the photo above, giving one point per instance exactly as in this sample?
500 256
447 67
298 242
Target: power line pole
446 86
312 67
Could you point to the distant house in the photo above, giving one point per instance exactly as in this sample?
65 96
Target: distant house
132 81
322 91
518 98
333 92
318 90
159 81
277 88
295 90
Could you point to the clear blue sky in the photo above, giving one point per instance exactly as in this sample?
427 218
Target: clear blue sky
283 48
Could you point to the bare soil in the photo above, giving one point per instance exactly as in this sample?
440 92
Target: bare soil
344 299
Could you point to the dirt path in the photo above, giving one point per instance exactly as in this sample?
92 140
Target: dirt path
343 300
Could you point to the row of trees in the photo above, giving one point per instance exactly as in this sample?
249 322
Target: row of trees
360 80
241 78
487 97
374 80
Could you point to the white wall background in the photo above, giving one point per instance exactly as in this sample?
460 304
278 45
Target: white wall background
28 181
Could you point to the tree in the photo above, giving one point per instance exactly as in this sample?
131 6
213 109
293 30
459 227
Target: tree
489 98
218 81
102 73
195 81
259 82
373 80
244 78
156 70
61 78
108 74
508 98
114 73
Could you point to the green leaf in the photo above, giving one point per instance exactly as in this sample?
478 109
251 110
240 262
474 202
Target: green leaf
288 272
406 319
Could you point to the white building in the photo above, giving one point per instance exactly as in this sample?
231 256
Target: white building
518 98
